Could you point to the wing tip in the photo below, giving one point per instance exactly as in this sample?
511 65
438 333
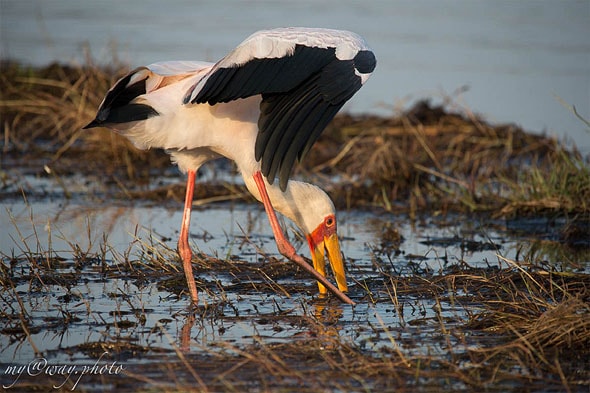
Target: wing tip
365 61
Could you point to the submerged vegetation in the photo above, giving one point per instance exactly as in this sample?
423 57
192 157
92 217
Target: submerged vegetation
518 324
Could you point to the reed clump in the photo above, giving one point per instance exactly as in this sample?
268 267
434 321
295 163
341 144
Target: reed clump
427 158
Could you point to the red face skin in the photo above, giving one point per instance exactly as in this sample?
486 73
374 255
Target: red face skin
324 239
324 230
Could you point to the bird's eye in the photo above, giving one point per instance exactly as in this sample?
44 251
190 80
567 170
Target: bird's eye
330 221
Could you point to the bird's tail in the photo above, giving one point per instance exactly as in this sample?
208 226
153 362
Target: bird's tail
118 106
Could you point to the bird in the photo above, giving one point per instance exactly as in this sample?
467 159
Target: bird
263 106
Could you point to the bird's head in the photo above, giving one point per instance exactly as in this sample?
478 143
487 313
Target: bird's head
323 241
314 213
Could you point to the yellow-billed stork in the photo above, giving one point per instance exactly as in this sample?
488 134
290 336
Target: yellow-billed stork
262 106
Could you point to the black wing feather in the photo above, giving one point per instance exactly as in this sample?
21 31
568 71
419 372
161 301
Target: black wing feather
301 94
314 121
290 123
291 136
305 121
339 82
272 75
268 120
301 105
116 107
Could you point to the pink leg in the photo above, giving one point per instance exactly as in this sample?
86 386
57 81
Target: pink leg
183 247
286 248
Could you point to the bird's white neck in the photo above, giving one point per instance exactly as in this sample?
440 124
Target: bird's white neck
305 204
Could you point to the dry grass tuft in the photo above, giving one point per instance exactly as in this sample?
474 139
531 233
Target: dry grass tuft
430 159
43 112
544 318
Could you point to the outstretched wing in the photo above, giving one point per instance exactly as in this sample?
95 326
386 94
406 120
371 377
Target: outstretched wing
304 76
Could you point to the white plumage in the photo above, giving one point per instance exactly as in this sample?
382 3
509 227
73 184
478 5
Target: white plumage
262 106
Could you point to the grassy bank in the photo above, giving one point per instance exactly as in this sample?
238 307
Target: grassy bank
423 159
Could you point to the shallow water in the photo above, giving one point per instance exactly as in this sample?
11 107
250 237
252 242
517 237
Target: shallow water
102 299
100 302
